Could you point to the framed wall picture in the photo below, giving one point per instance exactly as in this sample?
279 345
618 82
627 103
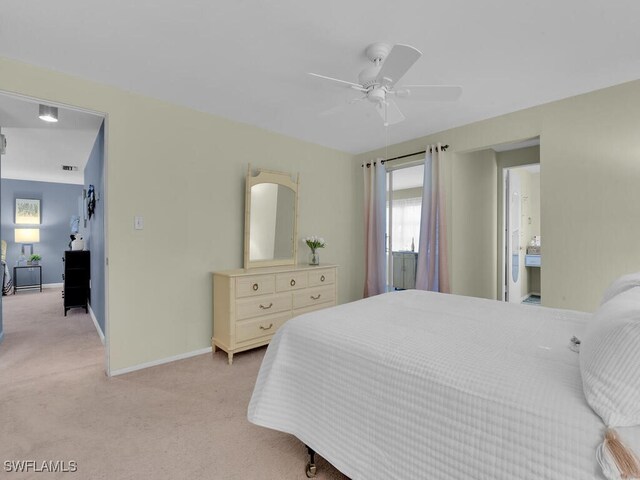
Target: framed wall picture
27 211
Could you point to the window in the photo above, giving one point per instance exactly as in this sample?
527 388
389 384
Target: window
406 223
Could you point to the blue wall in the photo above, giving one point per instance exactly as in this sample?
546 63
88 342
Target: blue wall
94 232
58 201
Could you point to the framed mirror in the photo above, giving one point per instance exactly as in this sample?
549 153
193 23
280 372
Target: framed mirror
270 219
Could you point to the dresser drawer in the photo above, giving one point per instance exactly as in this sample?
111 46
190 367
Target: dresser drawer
264 305
262 327
313 296
325 276
255 285
286 282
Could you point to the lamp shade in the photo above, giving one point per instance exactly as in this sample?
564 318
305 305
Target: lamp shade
27 235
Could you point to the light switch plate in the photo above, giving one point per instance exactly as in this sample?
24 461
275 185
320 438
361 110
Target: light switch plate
138 222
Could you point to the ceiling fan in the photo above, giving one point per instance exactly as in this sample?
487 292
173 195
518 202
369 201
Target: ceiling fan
377 82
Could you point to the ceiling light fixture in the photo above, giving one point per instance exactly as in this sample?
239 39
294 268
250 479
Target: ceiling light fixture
48 114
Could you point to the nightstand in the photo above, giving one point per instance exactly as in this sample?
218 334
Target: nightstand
30 286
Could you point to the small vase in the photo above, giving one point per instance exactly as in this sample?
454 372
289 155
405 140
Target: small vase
314 258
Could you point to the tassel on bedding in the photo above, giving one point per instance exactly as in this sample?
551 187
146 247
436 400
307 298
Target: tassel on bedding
624 459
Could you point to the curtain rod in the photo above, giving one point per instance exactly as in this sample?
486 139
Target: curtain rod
443 148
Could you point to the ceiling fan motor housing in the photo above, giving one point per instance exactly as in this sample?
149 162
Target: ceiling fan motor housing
377 52
368 76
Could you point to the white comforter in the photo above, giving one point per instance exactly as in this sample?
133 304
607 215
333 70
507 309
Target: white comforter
413 385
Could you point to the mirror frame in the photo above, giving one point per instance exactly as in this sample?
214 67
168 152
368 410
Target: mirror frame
279 178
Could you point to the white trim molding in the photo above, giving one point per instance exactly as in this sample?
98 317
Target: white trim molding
160 361
96 324
52 285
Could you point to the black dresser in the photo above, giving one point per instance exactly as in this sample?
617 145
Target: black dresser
76 278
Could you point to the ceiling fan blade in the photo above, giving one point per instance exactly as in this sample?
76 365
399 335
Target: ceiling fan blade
332 111
389 112
429 93
351 84
341 107
399 60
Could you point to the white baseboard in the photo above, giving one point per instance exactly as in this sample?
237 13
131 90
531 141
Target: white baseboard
97 325
160 361
52 285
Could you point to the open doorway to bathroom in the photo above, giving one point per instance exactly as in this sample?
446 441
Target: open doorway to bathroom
519 231
522 259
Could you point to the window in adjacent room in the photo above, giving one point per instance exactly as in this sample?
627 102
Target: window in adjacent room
404 206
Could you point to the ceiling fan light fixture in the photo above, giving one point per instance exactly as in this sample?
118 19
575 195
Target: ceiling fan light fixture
377 95
48 113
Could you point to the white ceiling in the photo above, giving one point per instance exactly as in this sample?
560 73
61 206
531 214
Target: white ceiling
36 150
247 60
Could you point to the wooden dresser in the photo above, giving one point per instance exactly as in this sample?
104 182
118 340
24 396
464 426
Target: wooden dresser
250 305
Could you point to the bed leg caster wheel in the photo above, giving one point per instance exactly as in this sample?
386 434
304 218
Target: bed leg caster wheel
311 470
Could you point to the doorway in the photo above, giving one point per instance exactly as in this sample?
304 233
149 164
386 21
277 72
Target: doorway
54 165
404 208
522 260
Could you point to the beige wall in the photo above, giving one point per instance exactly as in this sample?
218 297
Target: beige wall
474 224
183 171
589 178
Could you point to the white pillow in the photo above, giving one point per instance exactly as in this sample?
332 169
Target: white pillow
620 285
610 360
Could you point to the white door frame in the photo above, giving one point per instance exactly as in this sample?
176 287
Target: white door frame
105 202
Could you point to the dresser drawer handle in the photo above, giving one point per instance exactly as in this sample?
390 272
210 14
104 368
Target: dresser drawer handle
322 278
292 282
255 287
266 328
316 297
267 307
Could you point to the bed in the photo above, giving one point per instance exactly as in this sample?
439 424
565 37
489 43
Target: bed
413 384
7 284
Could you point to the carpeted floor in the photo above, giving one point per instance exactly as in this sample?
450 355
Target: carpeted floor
184 420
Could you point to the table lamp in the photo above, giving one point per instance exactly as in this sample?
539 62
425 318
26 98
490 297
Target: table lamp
27 237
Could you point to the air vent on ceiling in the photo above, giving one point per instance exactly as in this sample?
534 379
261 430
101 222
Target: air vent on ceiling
69 168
